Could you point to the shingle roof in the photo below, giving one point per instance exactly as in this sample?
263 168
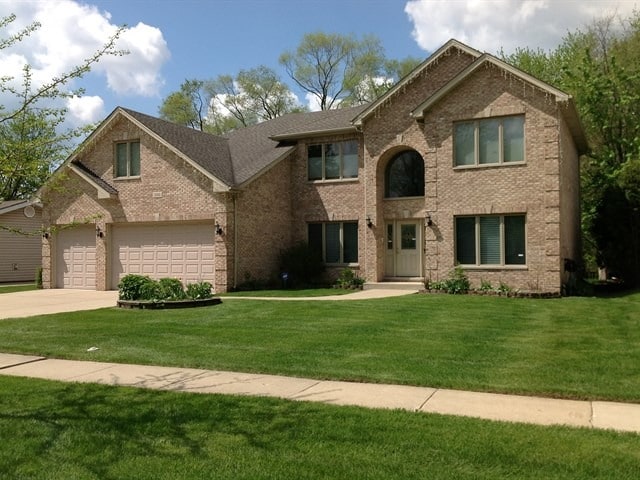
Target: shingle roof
256 147
243 153
211 152
95 177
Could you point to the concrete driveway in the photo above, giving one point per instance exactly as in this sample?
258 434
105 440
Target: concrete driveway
40 302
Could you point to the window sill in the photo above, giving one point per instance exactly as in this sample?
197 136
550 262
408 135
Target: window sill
494 267
395 199
488 165
343 265
333 181
119 179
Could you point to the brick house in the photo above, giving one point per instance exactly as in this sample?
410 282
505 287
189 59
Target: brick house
466 161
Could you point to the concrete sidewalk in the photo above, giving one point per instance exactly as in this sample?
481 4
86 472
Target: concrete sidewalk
510 408
355 295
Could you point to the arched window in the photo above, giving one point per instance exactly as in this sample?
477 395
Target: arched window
404 176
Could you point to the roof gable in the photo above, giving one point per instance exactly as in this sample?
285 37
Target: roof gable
571 114
446 49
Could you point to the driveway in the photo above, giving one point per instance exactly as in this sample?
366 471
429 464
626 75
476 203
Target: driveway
40 302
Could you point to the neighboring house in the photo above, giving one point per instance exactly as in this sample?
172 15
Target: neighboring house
20 241
466 161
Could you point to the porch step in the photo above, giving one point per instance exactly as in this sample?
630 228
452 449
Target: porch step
410 286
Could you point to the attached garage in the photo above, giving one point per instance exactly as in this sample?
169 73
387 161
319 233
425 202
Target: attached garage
76 258
182 251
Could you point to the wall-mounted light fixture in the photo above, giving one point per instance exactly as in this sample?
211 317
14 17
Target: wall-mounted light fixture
428 220
99 232
369 221
218 229
45 234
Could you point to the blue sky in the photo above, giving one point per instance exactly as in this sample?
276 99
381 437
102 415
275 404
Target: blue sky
171 40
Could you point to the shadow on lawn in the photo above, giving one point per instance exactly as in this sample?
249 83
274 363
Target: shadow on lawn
92 427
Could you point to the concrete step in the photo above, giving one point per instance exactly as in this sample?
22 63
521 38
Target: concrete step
394 285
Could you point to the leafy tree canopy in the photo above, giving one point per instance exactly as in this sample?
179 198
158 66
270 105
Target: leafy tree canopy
33 136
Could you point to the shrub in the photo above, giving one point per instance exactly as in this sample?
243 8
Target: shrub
131 287
39 277
485 286
199 290
458 282
171 289
349 280
302 264
503 288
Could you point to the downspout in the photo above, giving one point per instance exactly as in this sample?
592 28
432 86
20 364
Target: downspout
235 240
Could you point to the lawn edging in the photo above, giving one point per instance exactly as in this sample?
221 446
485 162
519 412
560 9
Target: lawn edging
166 304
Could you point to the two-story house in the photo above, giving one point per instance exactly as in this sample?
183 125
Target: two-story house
466 161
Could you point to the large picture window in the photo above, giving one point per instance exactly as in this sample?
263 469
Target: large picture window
404 175
491 240
335 243
489 141
333 161
127 159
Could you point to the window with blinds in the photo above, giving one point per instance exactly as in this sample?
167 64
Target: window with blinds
490 240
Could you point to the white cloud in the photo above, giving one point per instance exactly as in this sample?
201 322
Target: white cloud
139 71
71 32
86 109
489 25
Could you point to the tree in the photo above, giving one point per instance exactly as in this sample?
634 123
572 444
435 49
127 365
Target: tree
33 137
226 103
188 106
332 67
600 67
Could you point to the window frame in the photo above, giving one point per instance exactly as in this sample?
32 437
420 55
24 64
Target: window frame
341 156
388 171
501 142
341 226
128 144
477 242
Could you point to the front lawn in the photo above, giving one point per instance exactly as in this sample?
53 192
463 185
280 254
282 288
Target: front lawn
17 288
586 348
58 431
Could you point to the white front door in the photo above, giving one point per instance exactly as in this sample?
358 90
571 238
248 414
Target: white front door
404 249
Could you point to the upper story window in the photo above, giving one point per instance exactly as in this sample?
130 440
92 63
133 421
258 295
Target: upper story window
489 141
491 240
127 159
404 175
333 161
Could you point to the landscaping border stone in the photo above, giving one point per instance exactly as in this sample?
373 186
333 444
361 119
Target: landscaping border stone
165 304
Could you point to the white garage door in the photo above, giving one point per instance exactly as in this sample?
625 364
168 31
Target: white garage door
76 258
183 251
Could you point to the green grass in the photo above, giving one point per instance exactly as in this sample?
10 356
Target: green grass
295 293
17 288
63 431
586 348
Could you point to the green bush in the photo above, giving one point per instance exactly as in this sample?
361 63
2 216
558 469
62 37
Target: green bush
302 265
39 277
131 286
349 280
171 289
485 286
199 290
457 283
